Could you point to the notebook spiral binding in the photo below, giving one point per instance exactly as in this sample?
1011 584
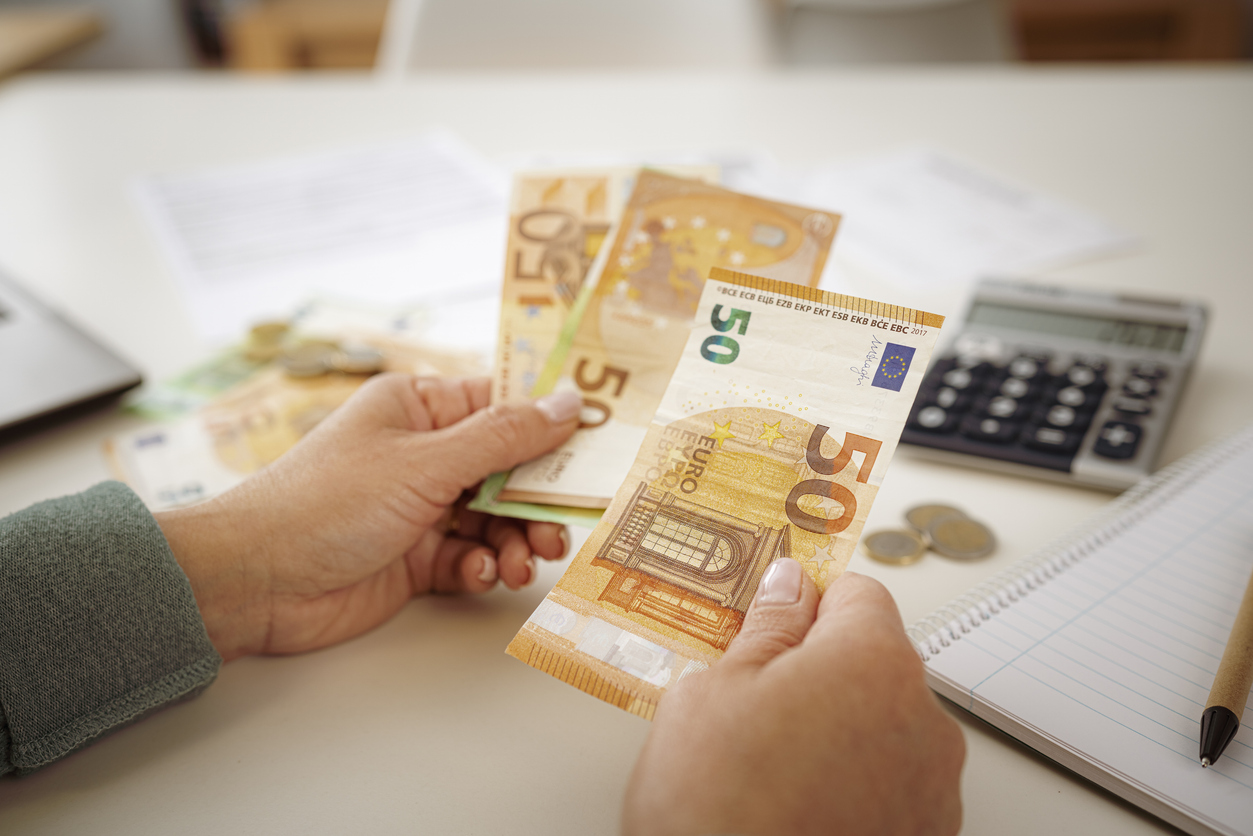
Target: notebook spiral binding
978 604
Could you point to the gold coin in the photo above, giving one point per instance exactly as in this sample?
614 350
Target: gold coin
961 537
269 332
921 516
896 546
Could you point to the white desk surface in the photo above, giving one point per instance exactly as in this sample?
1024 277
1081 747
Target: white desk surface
425 725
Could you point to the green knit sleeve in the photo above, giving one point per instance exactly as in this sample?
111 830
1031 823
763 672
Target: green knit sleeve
98 625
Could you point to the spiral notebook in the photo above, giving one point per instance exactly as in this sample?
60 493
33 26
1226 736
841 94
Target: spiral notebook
1100 650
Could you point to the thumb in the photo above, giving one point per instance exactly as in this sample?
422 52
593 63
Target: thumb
781 613
497 438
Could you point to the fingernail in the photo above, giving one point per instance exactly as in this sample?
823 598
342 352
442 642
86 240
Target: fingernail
560 407
781 584
488 573
565 542
530 570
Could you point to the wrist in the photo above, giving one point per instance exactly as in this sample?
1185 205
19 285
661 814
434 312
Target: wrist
219 553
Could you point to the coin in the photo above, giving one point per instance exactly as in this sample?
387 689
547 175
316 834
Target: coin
921 516
896 546
269 332
358 358
308 360
960 537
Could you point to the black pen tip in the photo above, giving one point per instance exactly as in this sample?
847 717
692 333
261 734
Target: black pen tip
1218 726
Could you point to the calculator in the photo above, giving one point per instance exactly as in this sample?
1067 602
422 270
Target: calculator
1058 383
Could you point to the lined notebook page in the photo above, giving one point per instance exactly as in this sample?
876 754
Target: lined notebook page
1106 667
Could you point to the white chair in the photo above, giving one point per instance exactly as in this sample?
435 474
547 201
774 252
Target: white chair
719 34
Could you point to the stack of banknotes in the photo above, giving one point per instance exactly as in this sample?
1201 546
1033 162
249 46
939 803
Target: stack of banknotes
733 413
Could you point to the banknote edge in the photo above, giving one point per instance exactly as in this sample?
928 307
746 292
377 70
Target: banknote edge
869 307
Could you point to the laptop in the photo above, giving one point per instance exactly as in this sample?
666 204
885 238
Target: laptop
48 367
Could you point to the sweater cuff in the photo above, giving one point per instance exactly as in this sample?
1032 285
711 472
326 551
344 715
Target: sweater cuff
98 625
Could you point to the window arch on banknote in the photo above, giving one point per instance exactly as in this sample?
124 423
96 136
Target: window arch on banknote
691 568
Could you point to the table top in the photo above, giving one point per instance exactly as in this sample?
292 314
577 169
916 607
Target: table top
425 724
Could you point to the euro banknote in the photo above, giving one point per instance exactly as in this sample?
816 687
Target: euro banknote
632 322
191 458
771 440
558 220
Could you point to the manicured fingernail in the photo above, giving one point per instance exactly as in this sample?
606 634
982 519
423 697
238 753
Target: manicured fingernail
781 584
560 407
530 572
488 573
565 542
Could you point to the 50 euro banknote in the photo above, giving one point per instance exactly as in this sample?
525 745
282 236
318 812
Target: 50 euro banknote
558 221
771 441
628 330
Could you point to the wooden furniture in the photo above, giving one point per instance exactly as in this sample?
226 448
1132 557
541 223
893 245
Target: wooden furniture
30 36
277 35
1131 30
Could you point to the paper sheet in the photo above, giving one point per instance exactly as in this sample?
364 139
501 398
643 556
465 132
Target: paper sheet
415 221
921 218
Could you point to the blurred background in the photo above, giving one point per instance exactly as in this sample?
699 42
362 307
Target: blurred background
396 36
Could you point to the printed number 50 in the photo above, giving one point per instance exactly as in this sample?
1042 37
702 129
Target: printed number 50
730 347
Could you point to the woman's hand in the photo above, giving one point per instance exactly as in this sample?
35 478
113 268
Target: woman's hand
816 721
366 512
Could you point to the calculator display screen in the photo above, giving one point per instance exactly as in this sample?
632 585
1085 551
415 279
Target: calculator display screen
1159 336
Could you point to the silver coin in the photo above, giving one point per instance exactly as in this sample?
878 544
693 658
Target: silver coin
960 537
921 516
896 546
310 360
358 358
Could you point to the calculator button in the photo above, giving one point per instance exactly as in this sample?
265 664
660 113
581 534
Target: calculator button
1094 362
1024 367
1060 416
1002 407
1015 387
1117 440
988 429
1082 376
946 397
1051 438
1139 387
934 419
1151 371
1133 406
958 378
1071 396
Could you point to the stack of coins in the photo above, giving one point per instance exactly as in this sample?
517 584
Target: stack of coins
265 341
946 530
307 357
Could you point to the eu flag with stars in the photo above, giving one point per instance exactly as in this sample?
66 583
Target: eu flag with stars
893 367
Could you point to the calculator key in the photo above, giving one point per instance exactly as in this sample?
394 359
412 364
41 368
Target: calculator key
1139 387
1151 371
1060 416
1093 361
988 429
946 397
1071 396
934 419
1026 368
1050 438
1117 440
1002 407
1082 376
958 378
1015 387
1133 406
